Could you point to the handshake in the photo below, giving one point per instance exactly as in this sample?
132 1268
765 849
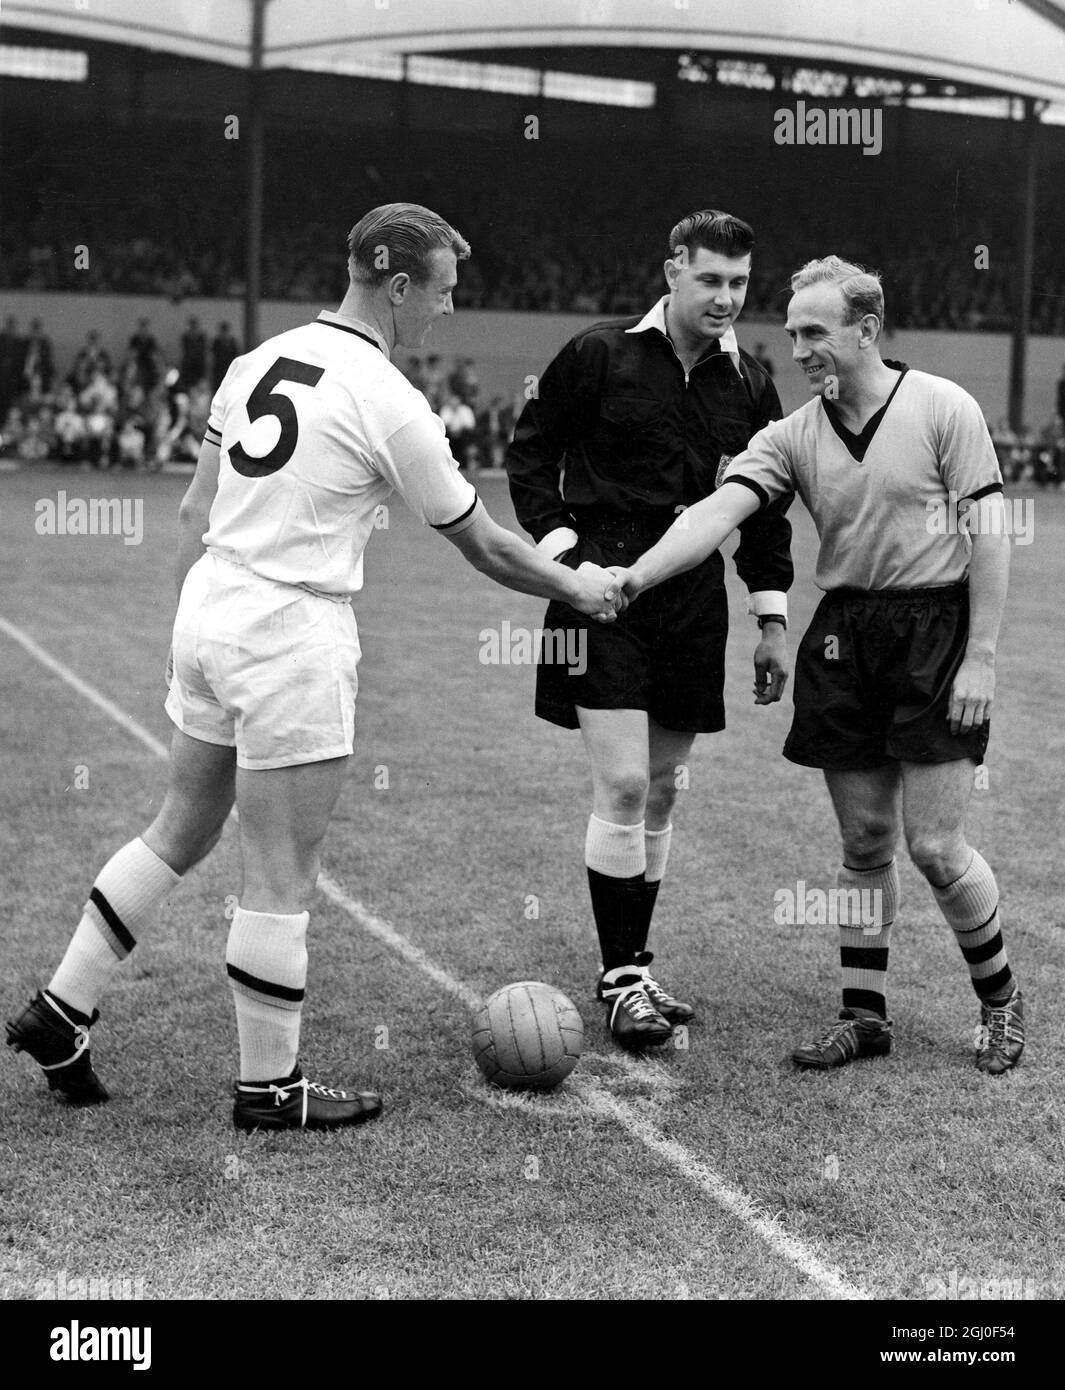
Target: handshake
603 593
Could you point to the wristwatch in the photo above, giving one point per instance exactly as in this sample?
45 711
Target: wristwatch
773 618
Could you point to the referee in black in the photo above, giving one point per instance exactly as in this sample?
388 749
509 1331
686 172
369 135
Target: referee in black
632 422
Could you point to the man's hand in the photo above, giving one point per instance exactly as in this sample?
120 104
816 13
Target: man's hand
599 593
771 665
628 584
972 693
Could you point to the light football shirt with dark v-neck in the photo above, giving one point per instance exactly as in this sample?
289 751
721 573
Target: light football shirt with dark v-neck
885 502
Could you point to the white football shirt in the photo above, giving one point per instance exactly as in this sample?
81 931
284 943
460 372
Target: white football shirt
316 430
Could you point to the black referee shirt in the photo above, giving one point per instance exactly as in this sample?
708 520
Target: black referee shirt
617 431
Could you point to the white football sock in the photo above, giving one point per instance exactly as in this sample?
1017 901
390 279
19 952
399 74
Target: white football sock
615 850
121 907
657 844
266 960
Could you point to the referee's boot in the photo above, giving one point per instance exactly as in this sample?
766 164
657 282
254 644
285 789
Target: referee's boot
296 1103
635 1023
854 1035
57 1038
672 1010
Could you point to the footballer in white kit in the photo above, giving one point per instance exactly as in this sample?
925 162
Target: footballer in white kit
316 429
308 435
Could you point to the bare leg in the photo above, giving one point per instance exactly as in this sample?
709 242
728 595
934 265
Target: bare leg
935 797
669 749
867 808
284 816
199 797
617 744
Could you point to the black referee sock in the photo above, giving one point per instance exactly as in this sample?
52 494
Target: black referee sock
615 858
648 898
621 916
656 852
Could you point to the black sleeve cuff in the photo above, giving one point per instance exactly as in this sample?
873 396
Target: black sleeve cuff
447 525
758 490
981 492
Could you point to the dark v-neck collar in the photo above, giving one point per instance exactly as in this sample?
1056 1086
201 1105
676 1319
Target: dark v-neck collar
857 444
332 322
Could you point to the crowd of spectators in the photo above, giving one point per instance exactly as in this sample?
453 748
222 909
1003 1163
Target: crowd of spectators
1035 456
588 241
138 412
477 430
930 283
144 412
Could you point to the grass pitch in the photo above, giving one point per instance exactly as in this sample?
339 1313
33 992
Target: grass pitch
462 825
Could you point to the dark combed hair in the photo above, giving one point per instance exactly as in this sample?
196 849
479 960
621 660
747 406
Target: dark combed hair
399 238
716 231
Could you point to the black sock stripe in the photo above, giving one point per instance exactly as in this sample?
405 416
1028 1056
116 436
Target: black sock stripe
874 870
975 954
967 931
863 957
294 996
994 983
865 999
121 932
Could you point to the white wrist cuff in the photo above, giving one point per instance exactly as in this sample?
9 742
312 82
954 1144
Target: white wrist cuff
767 601
562 538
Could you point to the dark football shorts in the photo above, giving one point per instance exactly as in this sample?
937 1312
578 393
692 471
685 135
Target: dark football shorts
873 678
665 654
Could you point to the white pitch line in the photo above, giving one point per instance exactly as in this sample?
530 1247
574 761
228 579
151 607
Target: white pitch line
732 1200
83 688
399 943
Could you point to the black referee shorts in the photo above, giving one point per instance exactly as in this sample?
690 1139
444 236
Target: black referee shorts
665 654
873 677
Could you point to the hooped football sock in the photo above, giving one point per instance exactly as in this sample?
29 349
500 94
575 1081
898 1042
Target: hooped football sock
867 912
121 906
656 848
970 905
266 961
615 858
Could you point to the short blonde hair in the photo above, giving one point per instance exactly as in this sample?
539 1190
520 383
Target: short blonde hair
861 288
408 234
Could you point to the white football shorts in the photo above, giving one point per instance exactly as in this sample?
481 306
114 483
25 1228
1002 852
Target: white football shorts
266 668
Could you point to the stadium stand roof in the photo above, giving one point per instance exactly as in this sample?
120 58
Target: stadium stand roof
1000 47
1013 46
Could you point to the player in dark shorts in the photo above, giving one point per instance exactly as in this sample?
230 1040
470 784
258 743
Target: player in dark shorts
633 421
895 677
